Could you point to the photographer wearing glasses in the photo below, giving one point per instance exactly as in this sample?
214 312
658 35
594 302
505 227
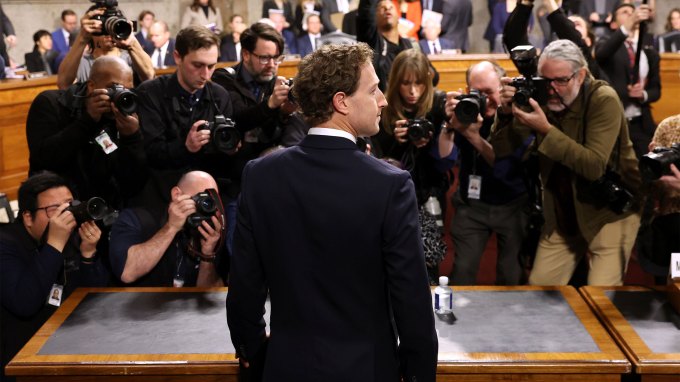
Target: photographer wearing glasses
89 134
588 168
263 110
42 261
180 245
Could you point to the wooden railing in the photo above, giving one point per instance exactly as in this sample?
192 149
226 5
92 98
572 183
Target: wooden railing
16 97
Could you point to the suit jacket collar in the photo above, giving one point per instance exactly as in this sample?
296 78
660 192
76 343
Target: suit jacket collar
328 142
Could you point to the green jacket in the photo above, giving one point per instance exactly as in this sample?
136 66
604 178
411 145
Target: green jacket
564 143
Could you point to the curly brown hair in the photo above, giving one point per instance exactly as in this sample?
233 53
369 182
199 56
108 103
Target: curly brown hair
325 72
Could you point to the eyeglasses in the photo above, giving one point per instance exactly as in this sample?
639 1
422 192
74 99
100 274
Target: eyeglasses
264 60
561 81
49 210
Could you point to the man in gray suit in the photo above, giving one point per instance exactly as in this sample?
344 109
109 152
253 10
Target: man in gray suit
332 235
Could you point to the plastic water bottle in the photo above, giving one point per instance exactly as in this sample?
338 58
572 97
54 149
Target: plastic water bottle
433 208
442 296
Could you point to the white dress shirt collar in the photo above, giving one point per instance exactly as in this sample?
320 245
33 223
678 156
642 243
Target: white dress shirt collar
332 133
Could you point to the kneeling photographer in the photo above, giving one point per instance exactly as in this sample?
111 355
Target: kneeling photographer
178 246
588 169
492 196
104 31
411 124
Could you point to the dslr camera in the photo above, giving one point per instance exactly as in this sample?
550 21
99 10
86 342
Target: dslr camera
124 99
418 128
609 191
470 106
113 21
206 206
291 97
528 85
93 209
224 136
657 163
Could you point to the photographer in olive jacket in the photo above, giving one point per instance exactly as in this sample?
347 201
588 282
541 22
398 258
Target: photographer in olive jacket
583 146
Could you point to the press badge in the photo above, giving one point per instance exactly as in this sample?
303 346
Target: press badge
178 282
474 186
105 142
55 295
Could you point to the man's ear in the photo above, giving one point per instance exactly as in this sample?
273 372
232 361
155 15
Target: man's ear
175 193
27 218
176 57
340 103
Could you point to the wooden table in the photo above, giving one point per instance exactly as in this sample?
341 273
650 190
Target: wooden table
63 348
644 325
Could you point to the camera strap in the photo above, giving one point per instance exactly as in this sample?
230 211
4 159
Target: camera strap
586 105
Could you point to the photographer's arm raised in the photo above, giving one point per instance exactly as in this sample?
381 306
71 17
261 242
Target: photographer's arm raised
69 66
141 61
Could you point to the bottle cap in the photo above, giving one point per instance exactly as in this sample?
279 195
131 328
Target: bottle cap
443 281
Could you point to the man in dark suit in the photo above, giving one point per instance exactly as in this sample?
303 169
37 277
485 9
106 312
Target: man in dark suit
63 37
163 45
332 234
307 42
616 54
432 43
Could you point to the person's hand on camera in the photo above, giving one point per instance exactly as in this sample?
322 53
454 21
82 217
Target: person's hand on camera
197 138
451 103
642 13
180 208
90 26
210 236
60 227
507 93
672 181
89 236
279 94
98 103
535 118
126 124
127 43
401 131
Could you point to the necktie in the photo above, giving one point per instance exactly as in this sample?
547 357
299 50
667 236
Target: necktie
631 53
433 48
159 59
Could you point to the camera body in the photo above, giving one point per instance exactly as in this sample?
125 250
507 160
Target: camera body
657 163
608 190
124 99
525 59
419 128
224 136
113 21
291 97
93 209
470 106
206 206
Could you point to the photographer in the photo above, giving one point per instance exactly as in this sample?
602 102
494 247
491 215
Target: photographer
41 258
77 64
151 247
492 195
89 134
411 124
262 110
583 145
185 116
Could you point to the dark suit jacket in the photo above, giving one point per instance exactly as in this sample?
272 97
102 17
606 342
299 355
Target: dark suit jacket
349 23
228 49
443 44
34 62
612 56
333 234
169 59
304 45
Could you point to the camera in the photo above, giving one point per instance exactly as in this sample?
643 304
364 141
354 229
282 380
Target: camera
419 128
206 206
93 209
657 163
224 136
470 106
525 59
609 191
113 21
124 99
291 97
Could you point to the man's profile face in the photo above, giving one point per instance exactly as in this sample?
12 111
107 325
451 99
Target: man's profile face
366 103
47 202
565 85
196 67
158 35
251 60
70 23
